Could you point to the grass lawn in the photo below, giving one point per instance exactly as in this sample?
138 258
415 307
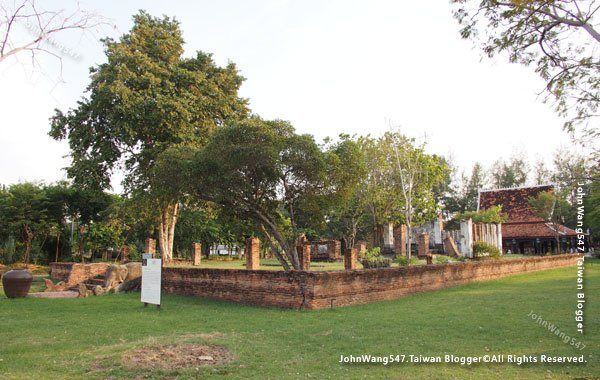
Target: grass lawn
273 264
86 338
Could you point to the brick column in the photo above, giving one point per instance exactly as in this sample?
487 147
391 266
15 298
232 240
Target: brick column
400 240
252 253
350 259
150 247
337 250
196 253
304 256
361 245
423 245
125 252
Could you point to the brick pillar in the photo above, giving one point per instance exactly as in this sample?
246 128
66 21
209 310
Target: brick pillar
196 253
304 256
350 259
337 253
252 253
423 244
361 245
150 247
125 253
400 240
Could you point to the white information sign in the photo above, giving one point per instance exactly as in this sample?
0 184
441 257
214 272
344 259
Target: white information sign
151 281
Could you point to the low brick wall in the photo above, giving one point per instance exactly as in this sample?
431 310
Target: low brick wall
75 273
317 290
255 287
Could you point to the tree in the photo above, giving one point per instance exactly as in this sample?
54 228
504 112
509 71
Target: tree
509 174
24 214
415 174
146 100
541 174
546 205
264 172
591 205
465 192
42 26
560 37
382 200
348 203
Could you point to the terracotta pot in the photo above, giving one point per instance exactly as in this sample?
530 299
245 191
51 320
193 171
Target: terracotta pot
16 283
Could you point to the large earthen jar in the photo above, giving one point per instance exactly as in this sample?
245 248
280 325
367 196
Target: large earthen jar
16 283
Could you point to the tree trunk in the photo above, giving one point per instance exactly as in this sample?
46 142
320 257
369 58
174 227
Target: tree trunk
166 230
290 252
29 238
57 245
281 259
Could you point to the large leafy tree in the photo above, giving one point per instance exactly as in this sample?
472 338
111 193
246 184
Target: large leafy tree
262 171
560 38
147 99
415 176
347 210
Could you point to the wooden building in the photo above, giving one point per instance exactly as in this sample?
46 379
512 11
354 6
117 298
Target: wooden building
524 232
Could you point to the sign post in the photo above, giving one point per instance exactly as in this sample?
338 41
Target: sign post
151 280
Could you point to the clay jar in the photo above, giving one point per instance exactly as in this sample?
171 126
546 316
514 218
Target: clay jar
16 283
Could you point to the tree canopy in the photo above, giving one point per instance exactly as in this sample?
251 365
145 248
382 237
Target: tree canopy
146 99
263 171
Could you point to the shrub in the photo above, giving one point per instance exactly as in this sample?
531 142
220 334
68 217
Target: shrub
402 261
372 253
482 249
373 259
441 259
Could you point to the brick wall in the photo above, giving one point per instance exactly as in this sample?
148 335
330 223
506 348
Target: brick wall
75 273
317 290
255 287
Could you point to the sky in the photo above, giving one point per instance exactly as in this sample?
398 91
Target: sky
329 67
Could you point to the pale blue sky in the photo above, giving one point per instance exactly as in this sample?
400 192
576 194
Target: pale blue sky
329 67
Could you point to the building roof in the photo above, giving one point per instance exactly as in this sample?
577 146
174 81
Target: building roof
514 202
535 230
522 222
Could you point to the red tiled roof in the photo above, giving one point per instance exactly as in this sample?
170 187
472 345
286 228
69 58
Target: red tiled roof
535 230
515 202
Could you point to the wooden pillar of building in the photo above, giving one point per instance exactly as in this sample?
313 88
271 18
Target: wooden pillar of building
252 253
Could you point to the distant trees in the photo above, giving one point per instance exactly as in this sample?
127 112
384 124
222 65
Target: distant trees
36 216
511 173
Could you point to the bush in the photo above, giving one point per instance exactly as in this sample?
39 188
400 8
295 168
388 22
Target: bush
482 249
441 259
372 253
402 261
373 259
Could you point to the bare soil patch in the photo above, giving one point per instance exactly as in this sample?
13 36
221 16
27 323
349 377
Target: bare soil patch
177 356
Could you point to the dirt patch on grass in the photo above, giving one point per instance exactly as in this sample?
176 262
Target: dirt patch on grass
177 356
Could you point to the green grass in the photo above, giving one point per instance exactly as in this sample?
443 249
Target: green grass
273 264
85 338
